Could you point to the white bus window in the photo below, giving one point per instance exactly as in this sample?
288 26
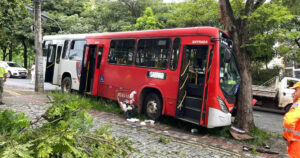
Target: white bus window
45 47
51 54
66 46
76 50
59 48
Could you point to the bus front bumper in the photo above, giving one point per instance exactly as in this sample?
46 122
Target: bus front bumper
217 118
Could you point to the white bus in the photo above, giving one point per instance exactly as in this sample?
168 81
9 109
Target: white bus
63 60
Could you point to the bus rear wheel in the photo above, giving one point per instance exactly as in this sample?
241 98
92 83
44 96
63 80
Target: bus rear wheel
66 85
153 105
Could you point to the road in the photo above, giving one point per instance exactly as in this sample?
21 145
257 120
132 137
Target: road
27 84
271 122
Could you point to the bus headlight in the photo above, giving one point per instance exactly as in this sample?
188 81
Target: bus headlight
222 105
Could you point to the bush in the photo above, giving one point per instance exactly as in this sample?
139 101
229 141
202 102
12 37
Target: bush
64 131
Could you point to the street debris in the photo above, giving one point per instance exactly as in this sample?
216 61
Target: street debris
266 146
150 121
245 148
143 123
133 120
194 130
239 134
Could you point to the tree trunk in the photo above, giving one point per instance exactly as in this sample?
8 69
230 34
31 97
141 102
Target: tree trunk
25 54
39 75
238 30
244 117
4 53
10 57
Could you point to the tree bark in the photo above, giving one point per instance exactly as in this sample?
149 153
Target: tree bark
4 53
10 57
25 53
39 77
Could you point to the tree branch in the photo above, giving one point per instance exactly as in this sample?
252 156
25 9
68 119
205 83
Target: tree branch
249 7
227 14
258 4
105 141
297 41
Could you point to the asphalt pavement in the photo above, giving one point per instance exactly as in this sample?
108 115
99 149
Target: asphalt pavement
27 84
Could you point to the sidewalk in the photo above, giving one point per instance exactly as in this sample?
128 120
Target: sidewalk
146 138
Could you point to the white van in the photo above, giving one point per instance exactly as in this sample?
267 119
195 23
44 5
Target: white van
14 70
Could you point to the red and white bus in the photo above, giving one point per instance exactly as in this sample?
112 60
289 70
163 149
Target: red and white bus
187 73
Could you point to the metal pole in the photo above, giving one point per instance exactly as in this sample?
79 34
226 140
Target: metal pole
39 77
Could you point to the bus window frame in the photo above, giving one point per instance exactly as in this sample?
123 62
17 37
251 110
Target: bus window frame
170 49
65 53
72 46
133 55
169 62
58 54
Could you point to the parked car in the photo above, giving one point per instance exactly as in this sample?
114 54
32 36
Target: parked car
14 70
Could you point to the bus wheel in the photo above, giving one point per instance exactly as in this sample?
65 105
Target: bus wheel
66 85
153 106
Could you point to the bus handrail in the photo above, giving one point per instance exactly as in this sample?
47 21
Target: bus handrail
180 105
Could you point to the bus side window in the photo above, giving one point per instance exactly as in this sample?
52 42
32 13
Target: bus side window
59 48
153 53
76 50
66 46
175 54
121 52
45 47
51 54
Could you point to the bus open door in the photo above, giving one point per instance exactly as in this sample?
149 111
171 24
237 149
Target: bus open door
90 68
50 63
191 103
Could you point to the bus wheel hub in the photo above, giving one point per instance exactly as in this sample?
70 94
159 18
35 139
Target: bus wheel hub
151 107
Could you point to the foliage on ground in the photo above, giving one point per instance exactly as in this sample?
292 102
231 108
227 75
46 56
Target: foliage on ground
164 140
64 130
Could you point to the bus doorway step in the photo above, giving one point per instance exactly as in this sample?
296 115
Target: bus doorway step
190 120
88 93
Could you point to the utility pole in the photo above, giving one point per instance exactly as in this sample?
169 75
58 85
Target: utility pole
39 75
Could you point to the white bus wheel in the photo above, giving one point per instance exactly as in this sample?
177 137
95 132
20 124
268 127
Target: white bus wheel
66 85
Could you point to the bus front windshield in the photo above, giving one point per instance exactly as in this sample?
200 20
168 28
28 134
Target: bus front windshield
229 73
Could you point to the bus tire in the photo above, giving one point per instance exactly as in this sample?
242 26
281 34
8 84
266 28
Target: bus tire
153 106
66 85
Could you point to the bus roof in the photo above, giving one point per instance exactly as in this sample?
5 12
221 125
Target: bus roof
65 37
209 31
